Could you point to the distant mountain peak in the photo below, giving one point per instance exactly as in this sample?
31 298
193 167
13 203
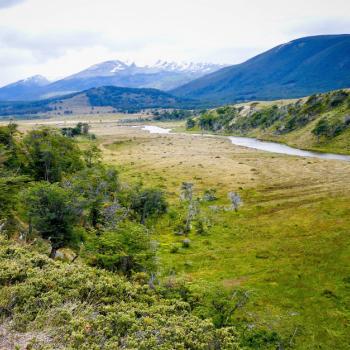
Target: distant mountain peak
163 75
185 66
37 80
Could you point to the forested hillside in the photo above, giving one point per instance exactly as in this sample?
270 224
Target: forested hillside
319 122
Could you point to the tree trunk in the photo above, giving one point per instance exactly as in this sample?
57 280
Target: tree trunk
143 218
53 252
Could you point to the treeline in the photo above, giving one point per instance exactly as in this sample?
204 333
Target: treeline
279 120
173 114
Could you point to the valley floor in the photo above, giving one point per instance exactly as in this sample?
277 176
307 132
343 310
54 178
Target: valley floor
288 246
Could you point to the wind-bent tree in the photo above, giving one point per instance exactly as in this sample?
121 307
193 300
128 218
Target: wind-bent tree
52 213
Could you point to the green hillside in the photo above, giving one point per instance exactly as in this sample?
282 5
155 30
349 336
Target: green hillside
103 99
320 122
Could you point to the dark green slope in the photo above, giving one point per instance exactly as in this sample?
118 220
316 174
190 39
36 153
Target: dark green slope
119 98
299 68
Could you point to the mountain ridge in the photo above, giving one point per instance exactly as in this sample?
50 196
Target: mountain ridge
106 99
295 69
163 75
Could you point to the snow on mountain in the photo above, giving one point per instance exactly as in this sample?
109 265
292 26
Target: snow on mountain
163 75
35 80
110 68
185 66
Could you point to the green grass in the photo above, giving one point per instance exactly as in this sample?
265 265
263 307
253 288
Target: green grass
294 262
289 246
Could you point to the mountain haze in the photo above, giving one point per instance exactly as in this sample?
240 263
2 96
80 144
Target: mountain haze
299 68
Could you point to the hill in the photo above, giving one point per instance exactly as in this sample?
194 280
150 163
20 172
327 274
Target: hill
299 68
320 122
105 99
162 75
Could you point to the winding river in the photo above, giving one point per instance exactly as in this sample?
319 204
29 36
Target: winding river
273 147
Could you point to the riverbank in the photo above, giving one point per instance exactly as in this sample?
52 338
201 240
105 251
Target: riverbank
254 143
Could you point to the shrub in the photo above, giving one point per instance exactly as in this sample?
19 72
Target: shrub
85 308
149 202
126 249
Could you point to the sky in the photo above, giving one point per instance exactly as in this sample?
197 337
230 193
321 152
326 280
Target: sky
56 38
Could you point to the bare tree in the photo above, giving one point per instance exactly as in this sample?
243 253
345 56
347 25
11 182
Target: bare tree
235 199
186 191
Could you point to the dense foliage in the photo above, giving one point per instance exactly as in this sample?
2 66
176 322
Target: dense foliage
332 111
172 114
78 307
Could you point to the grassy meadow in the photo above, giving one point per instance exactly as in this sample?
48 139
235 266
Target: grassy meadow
288 246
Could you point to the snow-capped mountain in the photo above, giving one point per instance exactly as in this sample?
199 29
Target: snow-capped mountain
35 80
163 75
186 66
23 89
113 68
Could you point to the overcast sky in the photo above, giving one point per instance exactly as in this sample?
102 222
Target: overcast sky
59 37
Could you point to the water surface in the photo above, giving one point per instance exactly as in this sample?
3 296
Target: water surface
267 146
276 147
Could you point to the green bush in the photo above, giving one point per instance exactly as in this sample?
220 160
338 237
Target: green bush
126 249
85 308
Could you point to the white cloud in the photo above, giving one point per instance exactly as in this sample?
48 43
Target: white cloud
59 37
9 3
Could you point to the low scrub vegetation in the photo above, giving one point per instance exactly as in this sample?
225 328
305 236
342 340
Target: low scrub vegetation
313 122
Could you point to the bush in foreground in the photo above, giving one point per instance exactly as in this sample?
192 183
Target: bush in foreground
78 307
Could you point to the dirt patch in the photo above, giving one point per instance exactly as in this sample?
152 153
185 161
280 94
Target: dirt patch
235 282
11 340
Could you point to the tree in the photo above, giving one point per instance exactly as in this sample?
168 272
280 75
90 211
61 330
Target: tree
92 155
235 199
15 158
126 249
10 185
96 190
50 155
190 123
186 191
52 212
193 208
79 129
322 128
149 202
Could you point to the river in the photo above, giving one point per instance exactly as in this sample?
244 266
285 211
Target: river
267 146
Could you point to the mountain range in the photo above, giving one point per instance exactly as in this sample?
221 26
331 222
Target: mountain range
106 99
162 75
299 68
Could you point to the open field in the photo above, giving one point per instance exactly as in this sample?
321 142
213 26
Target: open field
288 246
